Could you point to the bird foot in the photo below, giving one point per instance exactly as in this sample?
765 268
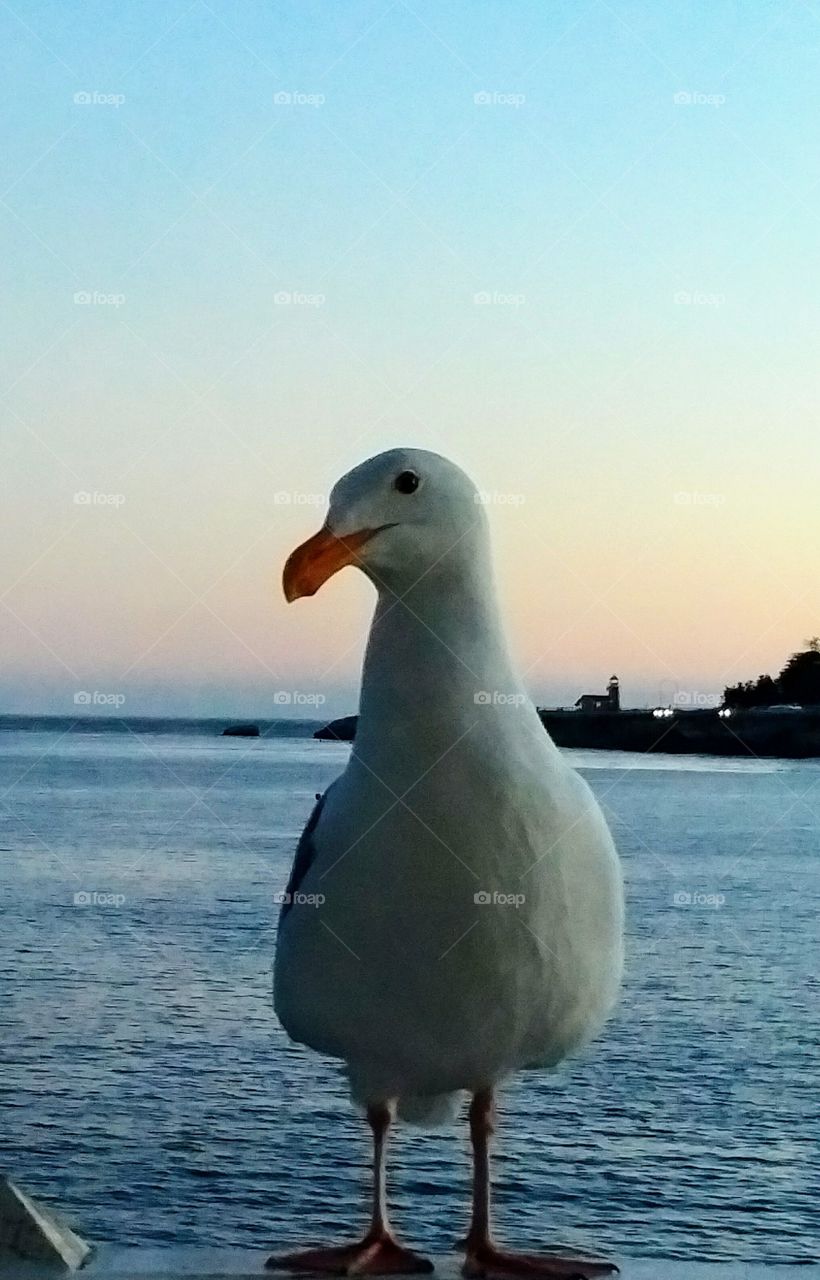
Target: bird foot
488 1262
375 1255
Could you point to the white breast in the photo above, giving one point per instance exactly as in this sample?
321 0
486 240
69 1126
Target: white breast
406 970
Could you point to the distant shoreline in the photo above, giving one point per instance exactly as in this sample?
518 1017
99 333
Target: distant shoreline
749 734
153 724
787 734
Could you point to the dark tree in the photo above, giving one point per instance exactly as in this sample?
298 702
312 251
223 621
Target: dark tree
799 680
767 692
762 692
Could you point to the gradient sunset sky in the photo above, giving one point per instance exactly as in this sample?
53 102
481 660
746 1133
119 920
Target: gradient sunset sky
248 243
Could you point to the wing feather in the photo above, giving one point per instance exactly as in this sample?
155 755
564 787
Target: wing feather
303 858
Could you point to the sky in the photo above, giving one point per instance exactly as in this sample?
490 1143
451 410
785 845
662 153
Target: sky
571 245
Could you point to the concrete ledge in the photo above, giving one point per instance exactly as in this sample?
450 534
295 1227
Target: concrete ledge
30 1231
111 1263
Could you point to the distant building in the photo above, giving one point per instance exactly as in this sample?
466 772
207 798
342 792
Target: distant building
609 701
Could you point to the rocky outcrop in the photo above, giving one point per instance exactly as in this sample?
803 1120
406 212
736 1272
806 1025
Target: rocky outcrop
343 730
241 731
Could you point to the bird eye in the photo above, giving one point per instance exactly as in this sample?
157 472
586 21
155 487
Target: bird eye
406 482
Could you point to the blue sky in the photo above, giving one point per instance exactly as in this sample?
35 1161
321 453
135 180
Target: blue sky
245 245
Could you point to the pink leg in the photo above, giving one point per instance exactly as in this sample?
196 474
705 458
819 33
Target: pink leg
484 1257
378 1253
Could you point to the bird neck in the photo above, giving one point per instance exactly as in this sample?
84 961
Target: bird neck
436 662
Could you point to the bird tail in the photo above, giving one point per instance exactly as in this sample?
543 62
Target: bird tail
428 1110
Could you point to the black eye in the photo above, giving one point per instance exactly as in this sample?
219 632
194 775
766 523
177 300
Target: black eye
406 482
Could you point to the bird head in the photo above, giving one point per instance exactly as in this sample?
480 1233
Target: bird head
397 517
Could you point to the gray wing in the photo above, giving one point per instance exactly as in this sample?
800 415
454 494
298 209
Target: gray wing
304 856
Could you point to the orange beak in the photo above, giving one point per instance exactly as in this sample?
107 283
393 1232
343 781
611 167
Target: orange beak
318 559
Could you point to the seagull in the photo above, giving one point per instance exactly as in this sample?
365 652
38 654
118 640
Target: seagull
454 912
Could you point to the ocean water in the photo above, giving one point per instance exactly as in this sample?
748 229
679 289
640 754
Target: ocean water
146 1088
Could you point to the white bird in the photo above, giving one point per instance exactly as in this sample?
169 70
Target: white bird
454 913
